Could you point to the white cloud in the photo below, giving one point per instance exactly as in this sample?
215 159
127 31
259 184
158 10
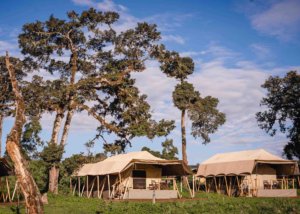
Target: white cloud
7 46
281 19
261 51
173 38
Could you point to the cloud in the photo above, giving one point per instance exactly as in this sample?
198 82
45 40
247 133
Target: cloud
10 46
280 19
261 51
173 38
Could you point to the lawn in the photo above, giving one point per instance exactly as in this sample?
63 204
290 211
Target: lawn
205 203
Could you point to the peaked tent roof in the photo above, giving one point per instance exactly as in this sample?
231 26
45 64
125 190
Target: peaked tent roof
242 162
119 163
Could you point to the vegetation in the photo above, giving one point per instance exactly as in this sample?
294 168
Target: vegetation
283 110
204 203
169 151
202 112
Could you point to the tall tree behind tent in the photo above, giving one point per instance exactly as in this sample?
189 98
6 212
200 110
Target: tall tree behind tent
13 148
92 64
283 110
203 112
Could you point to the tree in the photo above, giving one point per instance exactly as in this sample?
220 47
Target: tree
283 110
203 112
169 151
25 180
92 64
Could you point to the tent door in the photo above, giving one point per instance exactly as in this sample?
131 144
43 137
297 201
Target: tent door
139 179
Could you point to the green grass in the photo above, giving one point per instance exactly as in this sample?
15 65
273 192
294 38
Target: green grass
207 203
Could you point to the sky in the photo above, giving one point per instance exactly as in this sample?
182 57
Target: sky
236 45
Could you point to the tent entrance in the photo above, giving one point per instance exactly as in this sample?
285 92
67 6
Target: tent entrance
139 179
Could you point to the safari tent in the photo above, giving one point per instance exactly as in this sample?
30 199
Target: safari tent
135 175
251 173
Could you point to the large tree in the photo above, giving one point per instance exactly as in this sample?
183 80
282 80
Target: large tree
93 64
11 66
203 112
282 103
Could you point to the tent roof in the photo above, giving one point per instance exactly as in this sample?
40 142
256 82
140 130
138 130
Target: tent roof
119 163
5 168
242 162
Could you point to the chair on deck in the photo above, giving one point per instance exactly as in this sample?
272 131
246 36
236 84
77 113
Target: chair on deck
267 185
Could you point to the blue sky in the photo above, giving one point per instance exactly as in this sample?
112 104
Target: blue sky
236 45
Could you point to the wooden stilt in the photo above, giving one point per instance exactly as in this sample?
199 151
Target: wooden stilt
74 190
82 190
205 185
181 184
193 186
226 185
216 186
71 187
108 183
104 181
8 189
91 190
87 186
13 195
98 186
78 186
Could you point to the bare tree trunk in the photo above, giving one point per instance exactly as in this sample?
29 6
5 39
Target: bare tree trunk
28 186
183 136
67 127
54 171
1 127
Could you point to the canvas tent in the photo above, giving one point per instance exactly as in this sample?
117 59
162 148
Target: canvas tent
251 171
131 175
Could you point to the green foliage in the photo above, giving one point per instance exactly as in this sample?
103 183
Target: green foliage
175 66
185 96
206 118
169 151
39 171
52 154
30 138
283 112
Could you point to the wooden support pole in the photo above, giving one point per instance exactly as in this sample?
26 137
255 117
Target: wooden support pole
193 186
71 187
13 195
98 186
79 186
74 190
103 185
91 190
87 186
226 185
181 184
8 189
216 186
205 185
108 183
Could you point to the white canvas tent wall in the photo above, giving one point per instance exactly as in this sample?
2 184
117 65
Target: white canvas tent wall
252 166
116 171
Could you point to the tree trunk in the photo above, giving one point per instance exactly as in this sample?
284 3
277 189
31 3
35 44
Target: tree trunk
1 124
67 127
183 136
54 171
28 186
53 179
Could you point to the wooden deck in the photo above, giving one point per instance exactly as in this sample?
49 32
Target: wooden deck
276 193
148 194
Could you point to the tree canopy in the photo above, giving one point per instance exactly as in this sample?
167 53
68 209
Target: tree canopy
282 103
